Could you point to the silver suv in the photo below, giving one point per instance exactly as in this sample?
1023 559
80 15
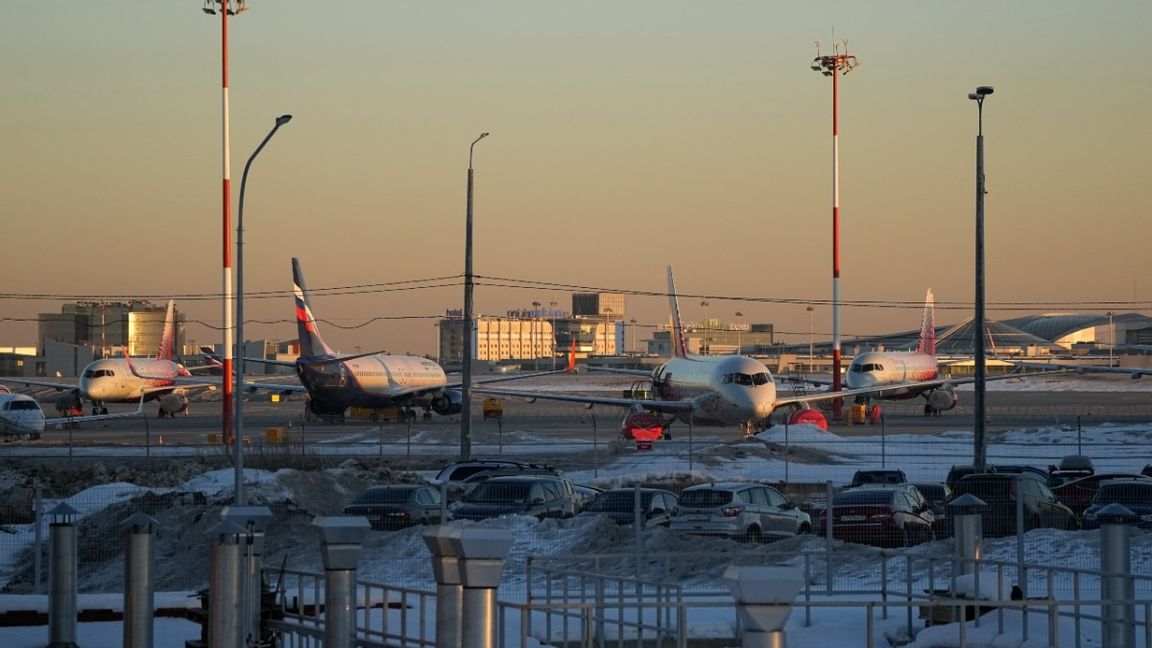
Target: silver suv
743 511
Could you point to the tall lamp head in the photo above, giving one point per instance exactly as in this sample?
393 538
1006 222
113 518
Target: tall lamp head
283 119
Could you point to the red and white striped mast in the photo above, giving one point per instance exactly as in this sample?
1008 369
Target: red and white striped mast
834 65
226 8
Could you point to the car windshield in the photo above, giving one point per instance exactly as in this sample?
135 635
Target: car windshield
1124 494
855 497
705 497
617 501
383 496
503 492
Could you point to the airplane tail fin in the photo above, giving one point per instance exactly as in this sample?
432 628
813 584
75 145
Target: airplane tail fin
679 344
164 352
928 326
311 344
572 357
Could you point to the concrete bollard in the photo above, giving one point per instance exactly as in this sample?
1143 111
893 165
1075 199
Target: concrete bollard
481 554
1117 618
343 537
968 530
224 613
764 597
449 586
62 567
139 585
254 521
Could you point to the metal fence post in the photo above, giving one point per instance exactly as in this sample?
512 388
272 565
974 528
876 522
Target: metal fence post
449 590
62 564
764 597
1117 587
482 553
254 521
139 586
224 612
968 530
343 537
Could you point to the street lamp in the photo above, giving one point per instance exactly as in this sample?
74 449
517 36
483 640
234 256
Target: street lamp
535 331
466 370
979 454
607 318
552 346
1111 336
739 330
238 426
704 329
810 309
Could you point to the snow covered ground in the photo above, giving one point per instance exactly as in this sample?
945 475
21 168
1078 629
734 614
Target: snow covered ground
813 456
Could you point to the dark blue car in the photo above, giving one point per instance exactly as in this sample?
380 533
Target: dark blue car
1134 494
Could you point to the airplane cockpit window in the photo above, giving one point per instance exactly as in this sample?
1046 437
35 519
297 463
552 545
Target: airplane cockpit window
744 379
23 405
856 368
761 379
98 373
727 378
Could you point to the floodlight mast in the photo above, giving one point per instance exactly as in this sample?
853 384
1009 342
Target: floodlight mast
834 65
226 8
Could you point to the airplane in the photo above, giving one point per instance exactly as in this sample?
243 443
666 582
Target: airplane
371 380
899 375
22 417
719 390
127 380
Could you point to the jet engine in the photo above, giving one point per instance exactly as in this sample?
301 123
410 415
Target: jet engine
172 404
942 399
70 404
448 403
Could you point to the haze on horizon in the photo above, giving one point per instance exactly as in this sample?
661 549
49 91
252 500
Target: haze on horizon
625 136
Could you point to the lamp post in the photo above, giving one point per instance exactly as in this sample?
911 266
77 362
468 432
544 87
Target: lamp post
536 325
1111 336
552 346
704 329
238 426
810 309
607 318
979 454
739 331
834 65
227 8
466 370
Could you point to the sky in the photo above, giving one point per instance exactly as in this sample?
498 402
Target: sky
624 137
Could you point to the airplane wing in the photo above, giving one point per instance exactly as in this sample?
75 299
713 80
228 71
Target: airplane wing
72 420
1135 372
626 372
39 383
189 382
924 385
654 405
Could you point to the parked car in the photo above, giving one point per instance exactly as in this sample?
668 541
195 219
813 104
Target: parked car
1079 493
1135 494
878 477
742 511
959 472
619 505
937 495
397 506
1001 491
542 496
883 515
461 470
1070 468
